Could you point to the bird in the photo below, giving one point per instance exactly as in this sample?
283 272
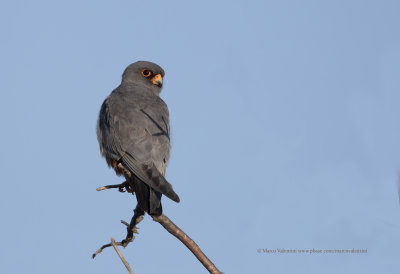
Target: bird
133 132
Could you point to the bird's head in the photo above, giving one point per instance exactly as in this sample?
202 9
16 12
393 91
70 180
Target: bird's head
145 73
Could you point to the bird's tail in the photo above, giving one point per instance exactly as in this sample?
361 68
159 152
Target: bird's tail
158 182
150 175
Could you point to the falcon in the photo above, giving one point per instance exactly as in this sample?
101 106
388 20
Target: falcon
134 135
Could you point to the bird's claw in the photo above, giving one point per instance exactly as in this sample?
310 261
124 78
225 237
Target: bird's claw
121 189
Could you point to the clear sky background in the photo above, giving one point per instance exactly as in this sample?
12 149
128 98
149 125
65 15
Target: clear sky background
285 134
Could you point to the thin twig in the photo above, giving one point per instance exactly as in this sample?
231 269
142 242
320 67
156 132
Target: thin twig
120 187
124 223
121 257
123 244
186 240
131 229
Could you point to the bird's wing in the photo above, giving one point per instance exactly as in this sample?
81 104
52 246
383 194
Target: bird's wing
110 146
135 136
149 174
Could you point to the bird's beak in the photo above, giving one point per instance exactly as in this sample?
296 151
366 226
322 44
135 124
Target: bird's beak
157 80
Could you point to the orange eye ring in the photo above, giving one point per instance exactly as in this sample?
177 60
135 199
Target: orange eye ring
146 73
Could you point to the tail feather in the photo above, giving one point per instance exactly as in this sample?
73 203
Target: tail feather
148 199
149 174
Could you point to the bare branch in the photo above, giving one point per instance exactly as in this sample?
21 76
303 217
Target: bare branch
163 220
105 246
186 240
120 187
131 229
121 257
124 223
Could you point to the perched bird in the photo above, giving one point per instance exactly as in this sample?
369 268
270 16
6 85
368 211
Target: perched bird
133 134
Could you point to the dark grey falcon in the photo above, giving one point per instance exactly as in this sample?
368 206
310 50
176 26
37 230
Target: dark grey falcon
133 134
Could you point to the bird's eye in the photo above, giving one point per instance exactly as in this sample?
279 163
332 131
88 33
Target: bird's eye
146 73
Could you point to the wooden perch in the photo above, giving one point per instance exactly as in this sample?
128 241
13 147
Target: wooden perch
121 257
186 240
166 223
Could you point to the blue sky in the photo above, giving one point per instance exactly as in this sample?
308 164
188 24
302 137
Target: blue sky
285 134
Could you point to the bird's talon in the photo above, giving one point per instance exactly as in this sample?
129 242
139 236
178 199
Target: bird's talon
121 189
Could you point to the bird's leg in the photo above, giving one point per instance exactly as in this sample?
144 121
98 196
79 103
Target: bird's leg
131 228
120 187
